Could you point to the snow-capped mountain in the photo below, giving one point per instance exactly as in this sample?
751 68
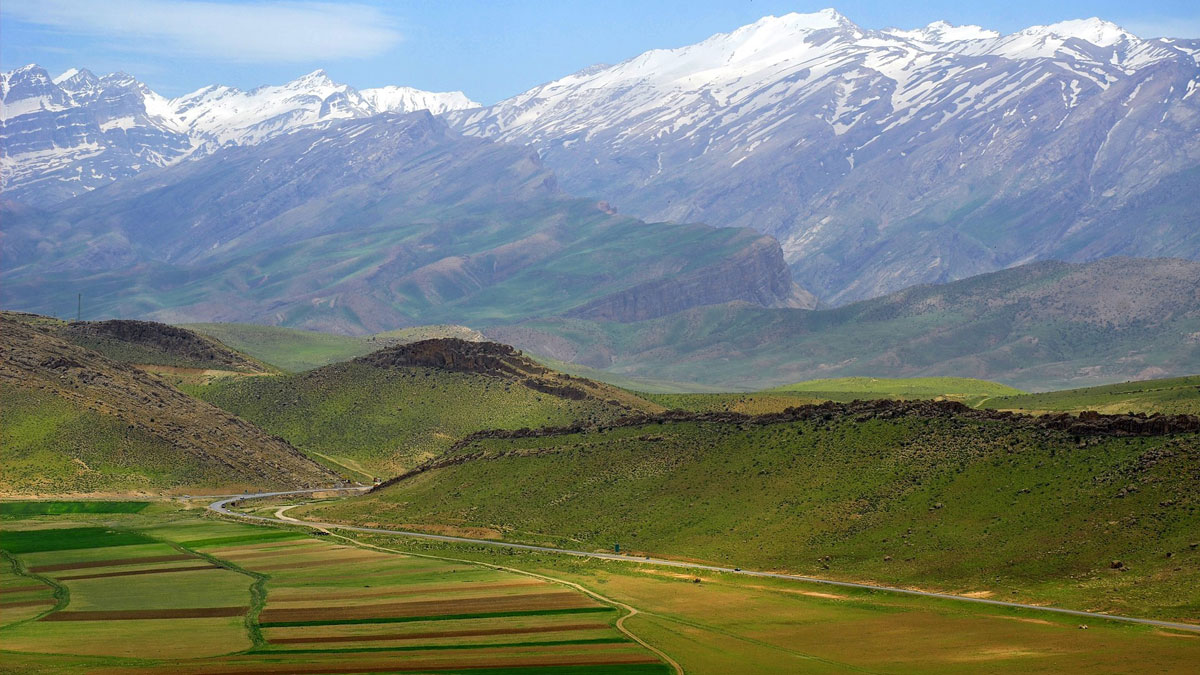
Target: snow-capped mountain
886 158
76 132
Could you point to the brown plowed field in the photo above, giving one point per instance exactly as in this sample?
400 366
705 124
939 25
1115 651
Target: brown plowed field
112 563
24 589
28 603
132 573
407 665
511 603
133 614
478 632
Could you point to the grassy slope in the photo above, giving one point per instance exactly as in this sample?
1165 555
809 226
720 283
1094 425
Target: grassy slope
384 421
961 506
52 446
904 388
75 421
287 348
1180 395
842 389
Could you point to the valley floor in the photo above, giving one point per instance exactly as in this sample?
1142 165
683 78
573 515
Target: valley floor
168 588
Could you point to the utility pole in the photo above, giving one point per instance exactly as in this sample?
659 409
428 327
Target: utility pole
79 307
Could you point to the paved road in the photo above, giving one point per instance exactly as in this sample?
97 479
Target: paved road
220 507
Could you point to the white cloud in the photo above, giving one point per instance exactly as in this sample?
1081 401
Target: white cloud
255 32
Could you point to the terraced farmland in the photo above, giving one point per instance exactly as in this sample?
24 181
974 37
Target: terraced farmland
203 596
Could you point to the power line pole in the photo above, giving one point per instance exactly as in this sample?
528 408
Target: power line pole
79 307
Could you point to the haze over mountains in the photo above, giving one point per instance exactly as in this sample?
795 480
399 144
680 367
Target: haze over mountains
829 164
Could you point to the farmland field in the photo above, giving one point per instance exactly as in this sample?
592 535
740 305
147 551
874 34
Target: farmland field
168 591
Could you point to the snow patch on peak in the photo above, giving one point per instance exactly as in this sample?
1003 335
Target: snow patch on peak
941 32
67 74
1094 30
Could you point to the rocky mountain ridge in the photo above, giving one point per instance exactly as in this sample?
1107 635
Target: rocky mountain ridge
62 136
886 158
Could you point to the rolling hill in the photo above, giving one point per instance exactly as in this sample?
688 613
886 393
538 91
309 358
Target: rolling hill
1080 512
79 422
1171 396
1046 325
385 412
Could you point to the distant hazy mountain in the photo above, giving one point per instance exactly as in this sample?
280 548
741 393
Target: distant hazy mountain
369 225
64 136
1045 325
882 159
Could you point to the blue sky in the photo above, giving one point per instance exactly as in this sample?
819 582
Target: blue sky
490 49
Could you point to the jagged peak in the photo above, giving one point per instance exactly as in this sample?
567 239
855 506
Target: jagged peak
1095 30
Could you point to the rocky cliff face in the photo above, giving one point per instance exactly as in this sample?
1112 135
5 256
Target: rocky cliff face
757 275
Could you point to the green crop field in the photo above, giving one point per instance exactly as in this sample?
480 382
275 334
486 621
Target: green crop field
967 506
381 422
168 592
1179 395
41 508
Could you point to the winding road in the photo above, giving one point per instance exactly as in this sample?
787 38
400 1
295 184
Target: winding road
220 506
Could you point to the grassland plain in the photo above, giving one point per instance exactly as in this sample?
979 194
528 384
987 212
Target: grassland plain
165 591
715 624
958 504
379 417
1178 396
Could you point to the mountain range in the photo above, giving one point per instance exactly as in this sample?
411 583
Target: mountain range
883 159
829 163
66 135
368 225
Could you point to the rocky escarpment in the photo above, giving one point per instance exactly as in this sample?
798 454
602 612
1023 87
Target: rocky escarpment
1082 426
497 360
34 363
757 275
486 358
156 343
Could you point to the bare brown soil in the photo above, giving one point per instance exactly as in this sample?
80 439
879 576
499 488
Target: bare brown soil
24 589
409 665
512 603
111 563
27 603
134 614
442 634
133 573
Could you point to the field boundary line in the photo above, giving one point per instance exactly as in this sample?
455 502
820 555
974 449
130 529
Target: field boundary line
220 507
62 594
258 595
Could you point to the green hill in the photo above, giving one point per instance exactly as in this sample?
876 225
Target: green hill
849 388
1179 396
923 494
383 413
77 422
1046 325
